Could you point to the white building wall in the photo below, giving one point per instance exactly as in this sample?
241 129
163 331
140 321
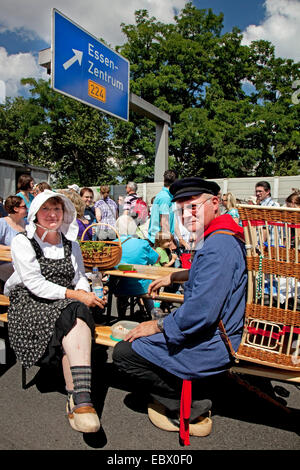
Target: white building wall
242 188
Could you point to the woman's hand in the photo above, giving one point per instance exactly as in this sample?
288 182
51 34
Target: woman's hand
147 328
88 298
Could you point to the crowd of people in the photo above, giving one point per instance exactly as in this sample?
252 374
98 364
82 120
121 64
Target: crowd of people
51 300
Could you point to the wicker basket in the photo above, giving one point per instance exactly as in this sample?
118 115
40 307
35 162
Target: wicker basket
108 257
272 318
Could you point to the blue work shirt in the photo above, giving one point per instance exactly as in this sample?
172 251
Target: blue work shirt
162 205
191 346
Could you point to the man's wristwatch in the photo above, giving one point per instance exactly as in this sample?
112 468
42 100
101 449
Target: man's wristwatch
160 324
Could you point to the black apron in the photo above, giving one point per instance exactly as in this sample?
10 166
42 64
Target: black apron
32 320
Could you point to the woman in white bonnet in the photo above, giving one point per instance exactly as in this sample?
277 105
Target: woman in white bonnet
49 317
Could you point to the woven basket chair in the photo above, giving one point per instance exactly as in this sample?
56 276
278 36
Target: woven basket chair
272 319
110 254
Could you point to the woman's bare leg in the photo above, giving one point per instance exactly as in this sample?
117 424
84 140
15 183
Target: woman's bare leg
77 344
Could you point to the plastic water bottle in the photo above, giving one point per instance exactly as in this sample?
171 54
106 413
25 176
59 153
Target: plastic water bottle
97 284
157 312
94 236
2 352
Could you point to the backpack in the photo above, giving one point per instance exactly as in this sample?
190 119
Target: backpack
139 210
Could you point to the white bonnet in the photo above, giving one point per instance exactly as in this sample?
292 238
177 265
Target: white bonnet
69 226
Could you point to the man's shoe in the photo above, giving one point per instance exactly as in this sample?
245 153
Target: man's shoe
82 417
160 416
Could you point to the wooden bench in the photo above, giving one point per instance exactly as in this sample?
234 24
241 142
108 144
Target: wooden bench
3 317
4 301
102 336
167 297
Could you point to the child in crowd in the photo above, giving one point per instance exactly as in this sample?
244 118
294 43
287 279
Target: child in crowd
165 246
163 243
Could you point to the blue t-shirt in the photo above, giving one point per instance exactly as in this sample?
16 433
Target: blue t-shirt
31 198
28 203
135 251
162 205
7 233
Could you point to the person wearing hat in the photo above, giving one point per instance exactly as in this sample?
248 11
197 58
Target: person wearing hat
186 345
49 317
74 187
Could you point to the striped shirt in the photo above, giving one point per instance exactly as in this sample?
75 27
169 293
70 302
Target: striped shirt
128 201
109 211
269 202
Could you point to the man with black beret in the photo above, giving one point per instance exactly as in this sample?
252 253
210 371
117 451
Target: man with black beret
186 345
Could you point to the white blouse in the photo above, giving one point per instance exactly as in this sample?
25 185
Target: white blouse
28 272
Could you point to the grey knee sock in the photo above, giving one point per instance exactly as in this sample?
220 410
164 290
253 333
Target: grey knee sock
82 376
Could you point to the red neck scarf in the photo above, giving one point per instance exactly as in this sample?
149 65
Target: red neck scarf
224 222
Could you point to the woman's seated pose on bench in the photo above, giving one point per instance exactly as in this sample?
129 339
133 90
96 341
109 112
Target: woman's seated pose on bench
49 319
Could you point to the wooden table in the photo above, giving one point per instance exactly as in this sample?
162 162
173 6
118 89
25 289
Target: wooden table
138 272
5 255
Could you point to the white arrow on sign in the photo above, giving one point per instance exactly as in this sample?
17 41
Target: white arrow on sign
76 57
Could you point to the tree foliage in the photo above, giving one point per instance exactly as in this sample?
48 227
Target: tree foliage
199 76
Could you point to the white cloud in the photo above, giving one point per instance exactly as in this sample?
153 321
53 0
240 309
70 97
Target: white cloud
101 18
281 27
16 66
2 91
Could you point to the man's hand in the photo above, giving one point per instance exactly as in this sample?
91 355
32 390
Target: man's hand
147 328
185 244
154 287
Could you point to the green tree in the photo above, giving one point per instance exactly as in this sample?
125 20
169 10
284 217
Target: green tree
62 134
191 71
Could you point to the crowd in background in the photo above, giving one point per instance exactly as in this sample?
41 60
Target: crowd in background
162 227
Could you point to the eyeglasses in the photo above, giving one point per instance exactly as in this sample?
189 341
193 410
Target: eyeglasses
23 207
193 208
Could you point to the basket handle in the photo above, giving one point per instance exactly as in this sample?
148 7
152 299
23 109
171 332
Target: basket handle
97 224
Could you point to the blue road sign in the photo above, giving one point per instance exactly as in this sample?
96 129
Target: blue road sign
87 70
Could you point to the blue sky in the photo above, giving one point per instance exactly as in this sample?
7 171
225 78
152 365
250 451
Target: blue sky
236 12
25 26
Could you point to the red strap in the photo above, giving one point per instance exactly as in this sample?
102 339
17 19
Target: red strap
258 223
185 411
261 332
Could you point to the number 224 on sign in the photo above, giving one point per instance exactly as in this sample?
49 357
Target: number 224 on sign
97 91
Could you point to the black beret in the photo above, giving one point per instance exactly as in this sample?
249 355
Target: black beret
193 186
